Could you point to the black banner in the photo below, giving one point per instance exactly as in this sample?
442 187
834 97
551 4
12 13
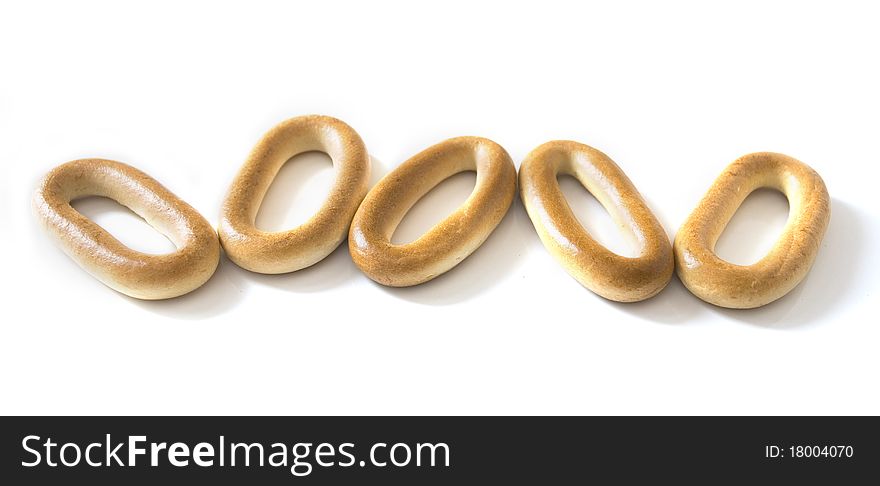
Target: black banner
436 450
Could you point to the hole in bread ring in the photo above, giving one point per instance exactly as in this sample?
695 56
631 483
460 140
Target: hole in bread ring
307 244
747 286
134 273
449 242
126 226
613 276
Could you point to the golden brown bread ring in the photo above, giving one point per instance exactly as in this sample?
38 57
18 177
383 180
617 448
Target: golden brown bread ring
449 242
307 244
119 267
606 273
743 287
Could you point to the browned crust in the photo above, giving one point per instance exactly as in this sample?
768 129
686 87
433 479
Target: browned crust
121 268
449 242
735 286
309 243
606 273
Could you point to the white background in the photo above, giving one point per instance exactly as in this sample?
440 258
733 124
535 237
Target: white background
673 92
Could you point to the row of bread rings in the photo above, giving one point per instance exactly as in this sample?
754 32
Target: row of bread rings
369 217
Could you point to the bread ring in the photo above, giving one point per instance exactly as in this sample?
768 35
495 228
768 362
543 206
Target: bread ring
307 244
743 287
449 242
131 272
606 273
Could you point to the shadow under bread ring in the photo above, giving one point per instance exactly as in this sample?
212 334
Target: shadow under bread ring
307 244
449 242
743 287
121 268
606 273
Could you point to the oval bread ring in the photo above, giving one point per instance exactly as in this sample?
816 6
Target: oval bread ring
449 242
744 287
606 273
121 268
307 244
